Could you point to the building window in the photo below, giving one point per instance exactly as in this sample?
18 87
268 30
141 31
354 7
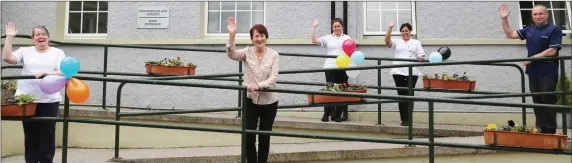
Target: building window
558 13
86 18
246 14
378 14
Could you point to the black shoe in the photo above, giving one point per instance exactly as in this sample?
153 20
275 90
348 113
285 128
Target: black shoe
548 131
325 118
345 117
338 119
404 124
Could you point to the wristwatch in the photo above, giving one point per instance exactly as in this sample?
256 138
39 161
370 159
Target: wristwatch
43 75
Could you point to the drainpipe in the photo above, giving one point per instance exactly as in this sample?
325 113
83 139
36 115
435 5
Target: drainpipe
345 17
332 14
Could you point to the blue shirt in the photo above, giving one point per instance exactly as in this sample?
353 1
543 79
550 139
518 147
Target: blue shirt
538 39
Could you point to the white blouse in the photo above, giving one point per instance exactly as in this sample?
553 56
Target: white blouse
409 50
333 47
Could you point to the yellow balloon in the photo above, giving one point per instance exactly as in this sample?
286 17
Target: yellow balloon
343 60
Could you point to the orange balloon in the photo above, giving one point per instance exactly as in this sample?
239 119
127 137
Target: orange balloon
77 91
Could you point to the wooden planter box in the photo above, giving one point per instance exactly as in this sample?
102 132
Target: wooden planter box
13 110
526 140
449 84
329 99
169 70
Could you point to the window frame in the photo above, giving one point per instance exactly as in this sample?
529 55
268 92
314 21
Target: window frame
567 9
84 35
382 33
206 22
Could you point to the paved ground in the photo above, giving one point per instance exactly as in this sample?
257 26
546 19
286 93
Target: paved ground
103 155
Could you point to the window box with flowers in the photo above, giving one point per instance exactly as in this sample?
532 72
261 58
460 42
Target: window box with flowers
338 87
445 81
18 106
170 67
521 136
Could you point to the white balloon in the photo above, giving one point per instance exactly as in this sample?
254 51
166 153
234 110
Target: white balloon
353 73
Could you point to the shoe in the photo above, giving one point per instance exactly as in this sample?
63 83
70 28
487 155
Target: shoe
338 119
345 117
404 124
325 118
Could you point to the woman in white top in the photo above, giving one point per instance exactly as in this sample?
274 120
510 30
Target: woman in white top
404 48
333 43
38 60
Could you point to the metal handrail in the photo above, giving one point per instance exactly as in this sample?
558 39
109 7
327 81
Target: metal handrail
379 59
431 101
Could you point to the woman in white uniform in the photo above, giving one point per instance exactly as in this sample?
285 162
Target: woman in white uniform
333 43
404 48
38 60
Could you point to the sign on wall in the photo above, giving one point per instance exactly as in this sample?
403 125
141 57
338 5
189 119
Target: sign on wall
153 17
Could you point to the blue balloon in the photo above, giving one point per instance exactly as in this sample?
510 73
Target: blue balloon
358 57
69 67
435 57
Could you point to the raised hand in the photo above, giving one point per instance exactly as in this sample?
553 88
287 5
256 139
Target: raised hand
231 25
503 10
11 29
316 22
391 23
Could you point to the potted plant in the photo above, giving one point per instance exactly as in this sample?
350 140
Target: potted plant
521 136
8 88
454 82
338 87
170 67
19 105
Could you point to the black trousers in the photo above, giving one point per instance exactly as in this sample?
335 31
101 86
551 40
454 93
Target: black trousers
40 136
336 76
403 81
267 114
545 118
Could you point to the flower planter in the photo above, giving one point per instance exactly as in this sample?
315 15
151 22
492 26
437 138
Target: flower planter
169 70
450 84
526 140
331 99
13 110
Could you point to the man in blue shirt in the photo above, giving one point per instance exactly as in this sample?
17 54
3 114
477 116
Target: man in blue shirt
543 39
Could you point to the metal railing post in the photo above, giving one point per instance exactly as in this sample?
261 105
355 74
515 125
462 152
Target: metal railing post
117 118
523 90
431 134
104 91
410 103
65 128
240 91
379 92
243 124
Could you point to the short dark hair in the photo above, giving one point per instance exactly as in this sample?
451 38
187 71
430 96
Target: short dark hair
338 20
260 28
42 28
406 25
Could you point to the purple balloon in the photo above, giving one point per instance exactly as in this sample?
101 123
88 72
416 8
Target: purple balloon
53 83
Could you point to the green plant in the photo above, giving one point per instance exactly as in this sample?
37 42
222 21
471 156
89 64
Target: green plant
567 88
446 76
343 87
18 99
511 127
9 84
171 62
191 64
